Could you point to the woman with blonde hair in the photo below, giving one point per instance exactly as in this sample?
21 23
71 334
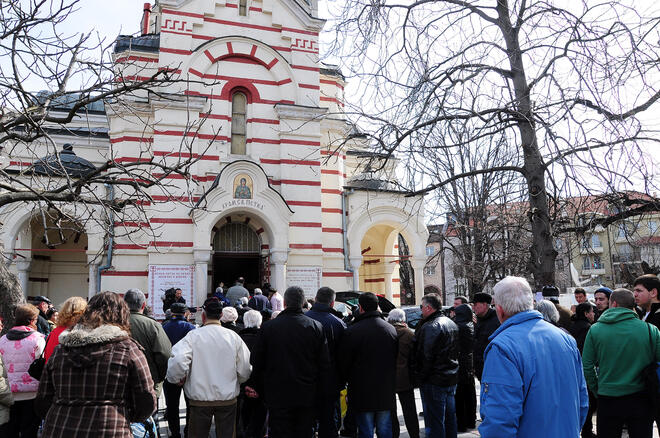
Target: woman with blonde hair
69 314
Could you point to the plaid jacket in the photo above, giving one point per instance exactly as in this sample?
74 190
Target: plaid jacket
95 383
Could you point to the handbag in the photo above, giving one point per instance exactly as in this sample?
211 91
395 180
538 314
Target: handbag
651 375
37 366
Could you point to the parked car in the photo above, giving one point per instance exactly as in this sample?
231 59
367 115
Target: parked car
414 315
347 301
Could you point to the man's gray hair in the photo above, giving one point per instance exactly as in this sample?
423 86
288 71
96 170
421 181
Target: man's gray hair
135 299
258 291
229 314
396 315
252 319
548 310
514 295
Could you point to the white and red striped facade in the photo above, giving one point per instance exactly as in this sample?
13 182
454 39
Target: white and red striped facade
299 167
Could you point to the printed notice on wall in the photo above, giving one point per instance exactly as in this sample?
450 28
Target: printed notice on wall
307 277
164 277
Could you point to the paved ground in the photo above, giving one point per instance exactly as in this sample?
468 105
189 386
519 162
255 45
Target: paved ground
404 433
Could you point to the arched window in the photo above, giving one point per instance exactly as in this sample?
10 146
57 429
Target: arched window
238 125
242 7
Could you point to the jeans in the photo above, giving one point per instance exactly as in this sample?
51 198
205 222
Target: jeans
439 410
368 421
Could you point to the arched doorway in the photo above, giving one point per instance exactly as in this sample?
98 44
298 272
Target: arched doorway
59 267
237 253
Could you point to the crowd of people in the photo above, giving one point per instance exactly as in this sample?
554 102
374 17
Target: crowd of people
280 365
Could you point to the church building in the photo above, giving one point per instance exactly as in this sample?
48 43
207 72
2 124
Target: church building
280 187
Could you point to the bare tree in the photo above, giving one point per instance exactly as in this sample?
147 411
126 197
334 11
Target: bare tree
50 84
566 87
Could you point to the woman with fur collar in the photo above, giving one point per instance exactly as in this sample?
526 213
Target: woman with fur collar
98 381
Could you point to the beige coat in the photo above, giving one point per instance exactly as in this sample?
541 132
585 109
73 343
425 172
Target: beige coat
6 399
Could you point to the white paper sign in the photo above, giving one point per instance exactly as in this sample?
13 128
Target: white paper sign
307 277
163 277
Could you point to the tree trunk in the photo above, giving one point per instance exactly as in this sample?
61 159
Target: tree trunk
10 296
542 260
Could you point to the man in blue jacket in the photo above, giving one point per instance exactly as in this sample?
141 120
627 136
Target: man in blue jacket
175 329
532 383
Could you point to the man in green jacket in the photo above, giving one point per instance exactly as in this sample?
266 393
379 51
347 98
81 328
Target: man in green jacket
616 350
150 335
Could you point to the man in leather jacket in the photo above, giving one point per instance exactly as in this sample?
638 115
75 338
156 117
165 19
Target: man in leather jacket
435 367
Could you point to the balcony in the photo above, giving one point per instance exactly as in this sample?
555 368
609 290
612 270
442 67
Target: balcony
593 271
591 250
626 258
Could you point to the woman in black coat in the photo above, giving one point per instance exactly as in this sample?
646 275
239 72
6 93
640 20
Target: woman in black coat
582 320
466 396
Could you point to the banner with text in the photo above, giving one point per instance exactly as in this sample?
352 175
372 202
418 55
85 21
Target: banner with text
307 277
164 277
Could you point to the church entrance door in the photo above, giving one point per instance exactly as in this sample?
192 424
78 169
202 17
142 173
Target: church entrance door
237 253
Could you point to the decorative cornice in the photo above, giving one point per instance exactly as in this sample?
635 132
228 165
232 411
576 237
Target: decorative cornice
299 112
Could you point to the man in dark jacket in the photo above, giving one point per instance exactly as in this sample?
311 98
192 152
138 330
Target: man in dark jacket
43 304
367 361
290 367
602 300
259 301
487 323
436 367
175 329
646 288
150 335
333 330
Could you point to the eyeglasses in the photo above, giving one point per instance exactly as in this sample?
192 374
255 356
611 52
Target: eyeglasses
421 306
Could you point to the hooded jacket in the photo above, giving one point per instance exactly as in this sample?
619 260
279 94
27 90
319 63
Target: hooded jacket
619 334
465 325
94 385
19 348
532 384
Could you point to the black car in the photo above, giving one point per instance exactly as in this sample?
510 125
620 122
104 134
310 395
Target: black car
347 301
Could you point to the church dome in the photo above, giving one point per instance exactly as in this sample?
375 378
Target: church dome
68 164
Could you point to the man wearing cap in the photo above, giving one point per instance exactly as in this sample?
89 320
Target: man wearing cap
43 304
551 293
602 299
487 323
210 362
175 329
150 335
